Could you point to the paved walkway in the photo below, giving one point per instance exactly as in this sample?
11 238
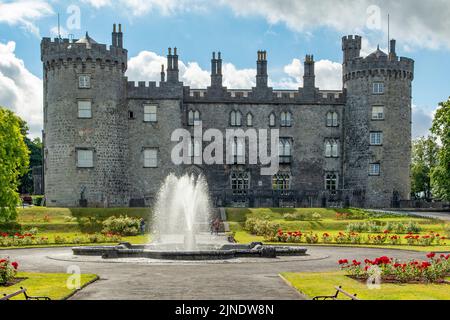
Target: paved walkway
194 281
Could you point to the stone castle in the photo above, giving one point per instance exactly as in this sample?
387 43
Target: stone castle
108 140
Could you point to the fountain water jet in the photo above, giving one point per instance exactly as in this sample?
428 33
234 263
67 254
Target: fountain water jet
182 211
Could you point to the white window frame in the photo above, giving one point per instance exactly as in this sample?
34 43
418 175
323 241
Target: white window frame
374 169
249 120
235 118
331 148
376 138
332 119
378 87
286 119
150 113
193 117
85 158
376 114
272 120
84 81
84 109
150 158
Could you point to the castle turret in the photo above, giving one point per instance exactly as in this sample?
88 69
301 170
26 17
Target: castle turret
377 124
84 127
351 46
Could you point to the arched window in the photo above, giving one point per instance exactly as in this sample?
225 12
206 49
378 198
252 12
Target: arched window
240 182
331 181
193 117
331 148
332 119
285 150
286 119
249 120
281 182
272 120
236 118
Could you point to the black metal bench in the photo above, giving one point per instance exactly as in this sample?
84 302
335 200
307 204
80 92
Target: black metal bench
24 292
339 290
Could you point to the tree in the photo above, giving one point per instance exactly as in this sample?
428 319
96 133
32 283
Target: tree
440 174
424 159
35 148
14 156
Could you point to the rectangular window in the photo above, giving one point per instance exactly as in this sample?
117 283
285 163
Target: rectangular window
84 81
376 138
84 109
377 113
374 169
150 113
85 158
150 158
378 88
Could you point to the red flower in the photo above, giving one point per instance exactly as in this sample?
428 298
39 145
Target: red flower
356 263
343 261
425 265
15 265
431 255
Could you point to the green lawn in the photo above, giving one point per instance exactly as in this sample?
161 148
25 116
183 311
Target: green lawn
52 285
319 284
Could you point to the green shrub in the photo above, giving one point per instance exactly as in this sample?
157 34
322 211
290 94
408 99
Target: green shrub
261 227
123 225
10 227
38 201
413 227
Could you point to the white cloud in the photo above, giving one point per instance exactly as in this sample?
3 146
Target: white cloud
421 122
142 7
24 13
21 91
414 22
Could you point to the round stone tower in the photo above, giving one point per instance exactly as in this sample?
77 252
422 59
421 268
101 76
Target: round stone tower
85 121
377 124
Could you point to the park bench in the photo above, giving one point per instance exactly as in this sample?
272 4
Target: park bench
24 292
339 290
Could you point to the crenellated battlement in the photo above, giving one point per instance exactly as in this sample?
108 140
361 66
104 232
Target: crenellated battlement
389 66
66 53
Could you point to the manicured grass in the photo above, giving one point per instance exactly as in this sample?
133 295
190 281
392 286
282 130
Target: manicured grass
53 285
320 284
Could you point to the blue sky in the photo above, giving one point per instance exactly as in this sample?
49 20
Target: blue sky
287 29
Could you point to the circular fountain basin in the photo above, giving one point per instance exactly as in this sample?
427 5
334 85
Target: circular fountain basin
224 252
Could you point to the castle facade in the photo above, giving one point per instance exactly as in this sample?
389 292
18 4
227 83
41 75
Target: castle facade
108 140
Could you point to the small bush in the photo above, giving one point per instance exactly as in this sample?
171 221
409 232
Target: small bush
260 227
38 201
8 270
413 227
123 225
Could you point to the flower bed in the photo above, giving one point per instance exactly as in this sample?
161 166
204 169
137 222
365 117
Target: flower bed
8 271
30 239
433 270
354 238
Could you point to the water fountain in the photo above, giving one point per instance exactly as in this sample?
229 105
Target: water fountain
181 230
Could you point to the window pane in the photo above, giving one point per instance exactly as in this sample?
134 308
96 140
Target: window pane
238 118
335 150
190 118
272 120
85 158
150 158
374 169
378 113
84 81
84 109
249 120
328 150
150 113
